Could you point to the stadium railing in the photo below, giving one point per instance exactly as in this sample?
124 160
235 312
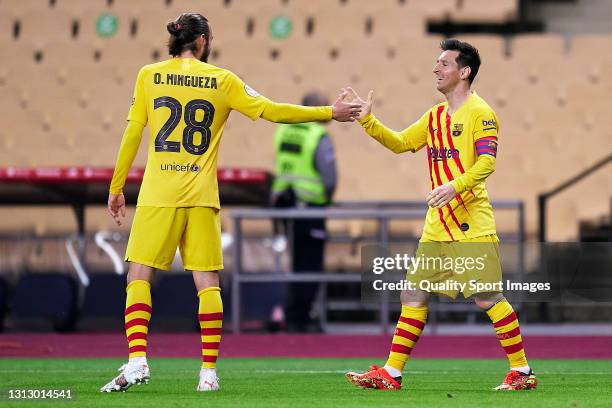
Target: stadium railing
544 197
80 187
381 211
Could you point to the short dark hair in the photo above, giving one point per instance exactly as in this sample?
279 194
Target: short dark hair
184 32
468 55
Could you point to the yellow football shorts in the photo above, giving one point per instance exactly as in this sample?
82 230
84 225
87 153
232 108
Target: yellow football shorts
469 266
158 231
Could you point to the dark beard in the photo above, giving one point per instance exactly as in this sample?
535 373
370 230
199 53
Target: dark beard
205 54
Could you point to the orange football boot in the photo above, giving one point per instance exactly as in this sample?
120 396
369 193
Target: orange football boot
515 381
377 378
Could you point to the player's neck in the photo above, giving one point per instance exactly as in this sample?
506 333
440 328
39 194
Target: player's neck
187 54
456 98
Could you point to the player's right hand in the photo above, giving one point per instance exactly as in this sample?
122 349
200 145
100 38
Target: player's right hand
345 111
116 207
353 97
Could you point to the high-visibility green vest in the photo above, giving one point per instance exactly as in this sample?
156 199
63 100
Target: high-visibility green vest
295 147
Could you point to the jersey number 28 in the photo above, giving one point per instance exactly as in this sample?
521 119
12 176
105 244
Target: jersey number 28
192 126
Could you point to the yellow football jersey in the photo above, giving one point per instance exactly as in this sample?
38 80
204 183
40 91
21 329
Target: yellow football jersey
186 104
454 143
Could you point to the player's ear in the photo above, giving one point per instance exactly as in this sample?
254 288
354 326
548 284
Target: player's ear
201 41
465 72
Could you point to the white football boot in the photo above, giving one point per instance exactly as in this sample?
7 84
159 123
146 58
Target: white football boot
208 380
130 374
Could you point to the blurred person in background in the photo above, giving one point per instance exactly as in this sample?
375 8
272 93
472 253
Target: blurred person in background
186 102
306 176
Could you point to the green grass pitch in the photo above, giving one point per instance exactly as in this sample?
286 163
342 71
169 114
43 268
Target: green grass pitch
317 383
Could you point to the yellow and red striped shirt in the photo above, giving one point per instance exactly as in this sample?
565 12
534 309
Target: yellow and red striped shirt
461 148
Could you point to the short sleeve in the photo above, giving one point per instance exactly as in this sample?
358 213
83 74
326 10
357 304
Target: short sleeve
138 110
243 98
486 125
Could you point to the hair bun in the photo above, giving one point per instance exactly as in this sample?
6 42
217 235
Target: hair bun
174 28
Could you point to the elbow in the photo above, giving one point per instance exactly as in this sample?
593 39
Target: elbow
486 163
399 148
492 164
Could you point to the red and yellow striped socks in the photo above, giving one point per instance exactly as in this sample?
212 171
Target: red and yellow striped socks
210 315
137 317
508 332
407 333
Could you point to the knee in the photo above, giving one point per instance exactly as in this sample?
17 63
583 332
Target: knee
414 298
139 272
487 301
205 280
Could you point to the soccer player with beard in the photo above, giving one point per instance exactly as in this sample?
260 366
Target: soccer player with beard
186 103
461 137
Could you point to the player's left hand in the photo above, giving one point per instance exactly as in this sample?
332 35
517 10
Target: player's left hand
116 207
345 111
441 195
350 95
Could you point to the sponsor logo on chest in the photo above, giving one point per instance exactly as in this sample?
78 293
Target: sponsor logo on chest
438 154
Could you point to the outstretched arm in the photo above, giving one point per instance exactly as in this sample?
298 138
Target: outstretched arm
247 101
341 110
410 139
287 113
127 152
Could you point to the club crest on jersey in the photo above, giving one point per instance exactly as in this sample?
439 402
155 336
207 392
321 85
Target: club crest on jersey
251 91
457 129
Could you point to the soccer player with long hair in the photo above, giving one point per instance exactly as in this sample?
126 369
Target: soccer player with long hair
186 103
461 136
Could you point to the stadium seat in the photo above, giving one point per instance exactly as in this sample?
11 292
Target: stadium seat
417 57
54 24
254 18
103 303
584 117
352 25
77 6
490 47
398 23
197 6
43 301
137 6
130 55
588 62
539 58
591 47
485 11
6 28
439 10
312 7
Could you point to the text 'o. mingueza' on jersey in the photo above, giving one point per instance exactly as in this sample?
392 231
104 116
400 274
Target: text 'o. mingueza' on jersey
193 81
